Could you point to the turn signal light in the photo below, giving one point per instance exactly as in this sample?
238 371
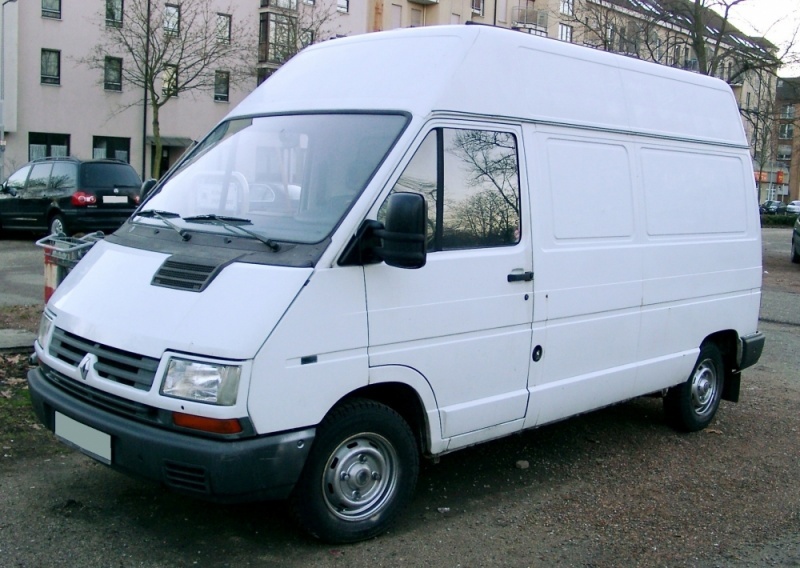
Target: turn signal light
213 425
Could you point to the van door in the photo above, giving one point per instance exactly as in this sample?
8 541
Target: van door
463 320
33 202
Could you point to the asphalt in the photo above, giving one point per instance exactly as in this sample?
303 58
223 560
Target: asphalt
776 307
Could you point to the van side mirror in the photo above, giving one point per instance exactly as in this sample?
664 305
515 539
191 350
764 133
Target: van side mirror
399 241
404 233
147 187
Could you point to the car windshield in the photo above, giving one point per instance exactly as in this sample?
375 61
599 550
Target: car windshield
289 177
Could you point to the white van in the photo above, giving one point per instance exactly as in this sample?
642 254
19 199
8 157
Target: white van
406 243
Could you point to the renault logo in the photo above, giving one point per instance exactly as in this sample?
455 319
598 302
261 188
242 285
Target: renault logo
86 364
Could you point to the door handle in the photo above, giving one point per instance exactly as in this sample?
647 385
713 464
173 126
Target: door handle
520 277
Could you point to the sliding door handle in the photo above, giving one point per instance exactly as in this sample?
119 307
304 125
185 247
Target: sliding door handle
520 277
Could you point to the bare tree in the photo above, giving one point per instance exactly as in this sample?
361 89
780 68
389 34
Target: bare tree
169 49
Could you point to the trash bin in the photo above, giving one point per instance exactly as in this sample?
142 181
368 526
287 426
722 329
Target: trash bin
61 254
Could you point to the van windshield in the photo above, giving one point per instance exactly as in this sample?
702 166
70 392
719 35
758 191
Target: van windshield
289 178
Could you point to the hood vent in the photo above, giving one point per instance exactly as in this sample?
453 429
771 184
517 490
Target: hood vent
185 275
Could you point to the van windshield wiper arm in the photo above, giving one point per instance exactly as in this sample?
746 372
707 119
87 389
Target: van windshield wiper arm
231 223
164 216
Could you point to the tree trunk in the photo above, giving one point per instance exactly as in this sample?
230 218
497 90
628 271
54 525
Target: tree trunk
155 167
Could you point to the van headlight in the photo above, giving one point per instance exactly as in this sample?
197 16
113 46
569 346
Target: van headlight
202 382
45 326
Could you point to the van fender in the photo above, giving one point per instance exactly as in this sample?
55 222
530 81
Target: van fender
409 376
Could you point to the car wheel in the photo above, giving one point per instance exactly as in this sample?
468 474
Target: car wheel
691 406
56 225
360 473
795 255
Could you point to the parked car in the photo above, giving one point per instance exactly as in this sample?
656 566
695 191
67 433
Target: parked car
793 208
772 206
68 195
796 242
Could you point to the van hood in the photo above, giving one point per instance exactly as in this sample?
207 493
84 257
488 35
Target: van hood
109 298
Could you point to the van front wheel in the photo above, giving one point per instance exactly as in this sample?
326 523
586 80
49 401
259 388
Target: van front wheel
691 406
361 472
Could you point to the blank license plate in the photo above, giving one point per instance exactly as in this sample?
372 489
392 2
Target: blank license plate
115 199
90 441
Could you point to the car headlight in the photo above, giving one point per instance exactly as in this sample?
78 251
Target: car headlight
202 382
45 325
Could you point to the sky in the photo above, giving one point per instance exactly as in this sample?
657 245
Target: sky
777 20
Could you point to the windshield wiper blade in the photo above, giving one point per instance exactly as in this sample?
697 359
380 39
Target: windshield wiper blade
164 216
231 223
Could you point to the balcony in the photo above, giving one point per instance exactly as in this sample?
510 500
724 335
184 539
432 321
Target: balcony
529 20
424 2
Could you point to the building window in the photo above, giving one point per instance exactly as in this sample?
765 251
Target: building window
785 152
263 74
477 7
51 67
567 7
277 41
114 13
223 28
172 19
416 18
45 144
112 74
169 79
111 147
284 4
565 32
786 131
222 81
343 6
787 111
51 9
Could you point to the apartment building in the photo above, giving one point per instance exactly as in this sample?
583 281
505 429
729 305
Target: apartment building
55 104
787 158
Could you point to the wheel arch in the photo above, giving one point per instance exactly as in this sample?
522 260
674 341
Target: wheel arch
409 394
727 341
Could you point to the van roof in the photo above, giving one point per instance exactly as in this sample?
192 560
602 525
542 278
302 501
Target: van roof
483 70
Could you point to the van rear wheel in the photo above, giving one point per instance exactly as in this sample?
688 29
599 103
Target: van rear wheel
691 406
57 225
360 473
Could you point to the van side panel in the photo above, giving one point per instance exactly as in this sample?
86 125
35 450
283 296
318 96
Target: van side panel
588 271
642 250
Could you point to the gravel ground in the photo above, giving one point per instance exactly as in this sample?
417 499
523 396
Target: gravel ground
612 488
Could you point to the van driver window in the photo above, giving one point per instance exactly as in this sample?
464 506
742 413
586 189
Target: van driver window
470 179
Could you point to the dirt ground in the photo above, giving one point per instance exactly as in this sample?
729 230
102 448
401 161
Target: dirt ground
612 488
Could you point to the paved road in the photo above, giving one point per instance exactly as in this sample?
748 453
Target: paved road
21 271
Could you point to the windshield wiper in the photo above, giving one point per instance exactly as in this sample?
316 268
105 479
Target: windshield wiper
163 216
231 223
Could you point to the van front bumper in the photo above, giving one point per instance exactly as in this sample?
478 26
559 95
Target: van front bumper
260 468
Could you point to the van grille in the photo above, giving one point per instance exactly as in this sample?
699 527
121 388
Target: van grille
184 275
112 364
186 477
103 400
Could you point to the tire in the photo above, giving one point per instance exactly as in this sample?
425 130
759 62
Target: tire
56 225
361 472
795 256
691 406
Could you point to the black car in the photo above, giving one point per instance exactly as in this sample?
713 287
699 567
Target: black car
67 195
773 207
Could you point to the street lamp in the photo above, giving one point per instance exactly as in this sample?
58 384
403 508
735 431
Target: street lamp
3 87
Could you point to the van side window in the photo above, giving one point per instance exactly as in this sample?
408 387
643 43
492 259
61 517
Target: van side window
64 177
470 179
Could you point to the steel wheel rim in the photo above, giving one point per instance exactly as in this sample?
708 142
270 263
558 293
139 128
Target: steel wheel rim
360 477
704 387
